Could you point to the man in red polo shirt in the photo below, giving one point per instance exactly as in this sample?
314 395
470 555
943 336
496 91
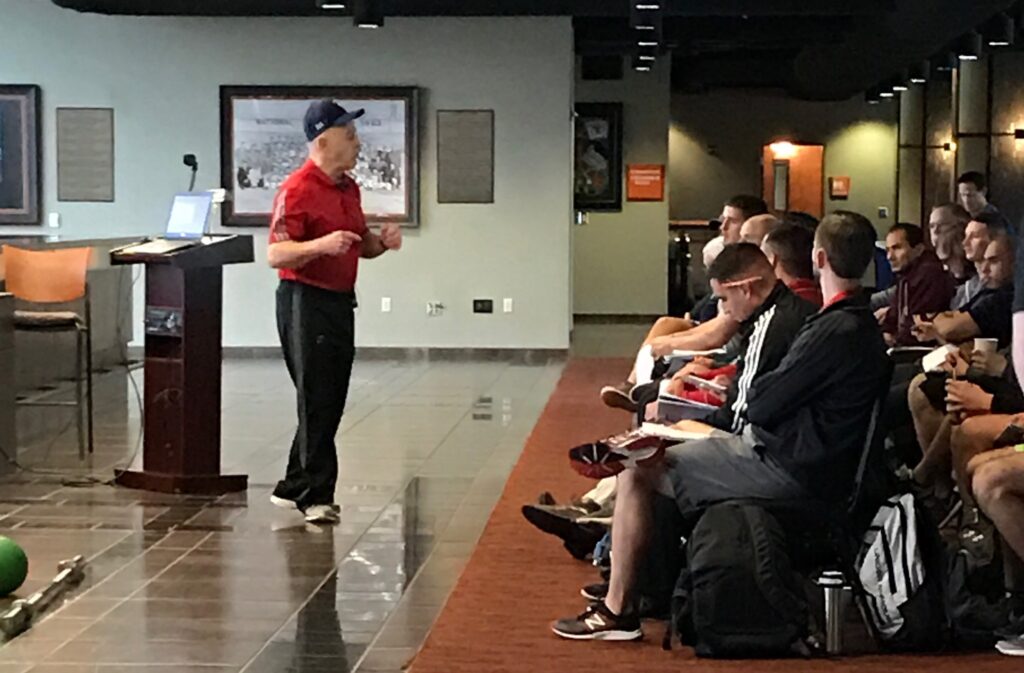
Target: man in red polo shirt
317 235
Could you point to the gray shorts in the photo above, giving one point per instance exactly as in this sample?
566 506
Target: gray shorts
724 467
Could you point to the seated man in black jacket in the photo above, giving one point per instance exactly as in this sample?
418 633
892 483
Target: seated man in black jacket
799 433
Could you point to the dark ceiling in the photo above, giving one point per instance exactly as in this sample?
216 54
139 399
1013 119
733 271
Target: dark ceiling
817 49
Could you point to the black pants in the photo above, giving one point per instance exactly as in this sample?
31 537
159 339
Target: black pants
317 331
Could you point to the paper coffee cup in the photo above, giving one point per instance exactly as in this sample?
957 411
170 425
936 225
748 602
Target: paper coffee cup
986 345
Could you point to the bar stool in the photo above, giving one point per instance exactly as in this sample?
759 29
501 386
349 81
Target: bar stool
57 277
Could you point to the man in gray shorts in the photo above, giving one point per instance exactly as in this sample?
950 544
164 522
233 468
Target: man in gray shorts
800 433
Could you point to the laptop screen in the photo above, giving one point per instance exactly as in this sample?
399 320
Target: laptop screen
189 212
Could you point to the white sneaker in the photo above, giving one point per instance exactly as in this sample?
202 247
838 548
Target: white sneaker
322 514
283 503
1013 647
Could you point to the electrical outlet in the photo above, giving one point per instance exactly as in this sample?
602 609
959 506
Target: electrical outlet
483 306
434 308
54 220
385 304
507 305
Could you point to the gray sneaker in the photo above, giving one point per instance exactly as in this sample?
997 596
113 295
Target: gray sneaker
1013 647
322 514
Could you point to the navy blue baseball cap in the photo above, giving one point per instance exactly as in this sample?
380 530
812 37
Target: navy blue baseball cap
325 113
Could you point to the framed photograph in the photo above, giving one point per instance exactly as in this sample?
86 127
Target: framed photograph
597 173
20 142
262 142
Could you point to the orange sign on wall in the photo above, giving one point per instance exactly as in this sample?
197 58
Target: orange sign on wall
645 182
839 187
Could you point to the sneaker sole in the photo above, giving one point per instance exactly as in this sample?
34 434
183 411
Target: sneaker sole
322 519
601 635
283 503
591 597
610 462
616 399
1010 650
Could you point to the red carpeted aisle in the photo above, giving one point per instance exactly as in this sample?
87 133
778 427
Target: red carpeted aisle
519 580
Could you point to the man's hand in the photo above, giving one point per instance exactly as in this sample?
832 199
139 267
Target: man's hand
660 346
881 313
924 331
966 398
337 242
696 367
990 362
391 236
955 364
695 427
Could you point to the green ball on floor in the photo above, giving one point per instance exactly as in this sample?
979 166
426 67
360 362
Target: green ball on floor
13 566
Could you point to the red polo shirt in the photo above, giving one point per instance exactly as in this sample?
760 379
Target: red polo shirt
308 205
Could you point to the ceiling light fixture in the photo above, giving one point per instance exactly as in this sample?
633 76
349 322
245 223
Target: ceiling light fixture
946 62
919 72
367 13
641 64
325 4
1001 31
783 149
969 47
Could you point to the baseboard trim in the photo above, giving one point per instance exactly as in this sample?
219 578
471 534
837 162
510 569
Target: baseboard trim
513 355
615 318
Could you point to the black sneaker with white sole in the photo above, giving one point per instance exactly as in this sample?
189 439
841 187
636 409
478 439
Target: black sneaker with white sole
595 592
599 623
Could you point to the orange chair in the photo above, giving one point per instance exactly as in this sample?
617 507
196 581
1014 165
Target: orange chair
57 277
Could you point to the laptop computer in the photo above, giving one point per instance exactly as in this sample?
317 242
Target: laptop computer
186 224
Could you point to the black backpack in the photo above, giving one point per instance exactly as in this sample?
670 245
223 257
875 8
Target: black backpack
739 595
925 627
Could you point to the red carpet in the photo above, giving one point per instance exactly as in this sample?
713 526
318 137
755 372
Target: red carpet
519 580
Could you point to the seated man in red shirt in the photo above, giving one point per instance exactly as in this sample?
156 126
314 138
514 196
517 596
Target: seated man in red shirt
789 248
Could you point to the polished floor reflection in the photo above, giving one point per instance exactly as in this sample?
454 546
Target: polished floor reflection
188 584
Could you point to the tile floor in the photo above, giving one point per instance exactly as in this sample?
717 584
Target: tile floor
178 583
233 584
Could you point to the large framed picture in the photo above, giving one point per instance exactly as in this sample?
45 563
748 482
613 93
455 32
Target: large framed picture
20 168
597 173
262 142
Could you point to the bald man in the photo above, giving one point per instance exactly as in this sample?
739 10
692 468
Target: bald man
757 228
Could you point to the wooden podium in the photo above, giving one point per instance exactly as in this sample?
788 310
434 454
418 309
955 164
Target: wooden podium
184 306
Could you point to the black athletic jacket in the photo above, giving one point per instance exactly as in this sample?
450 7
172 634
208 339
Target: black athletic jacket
765 338
812 413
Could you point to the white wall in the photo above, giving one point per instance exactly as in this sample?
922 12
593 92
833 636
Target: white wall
161 75
620 261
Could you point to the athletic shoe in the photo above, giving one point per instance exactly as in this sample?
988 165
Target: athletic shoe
595 592
597 622
321 514
608 457
579 538
1013 647
283 503
619 397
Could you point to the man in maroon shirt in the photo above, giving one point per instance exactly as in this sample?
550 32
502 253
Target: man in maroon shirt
922 284
317 235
